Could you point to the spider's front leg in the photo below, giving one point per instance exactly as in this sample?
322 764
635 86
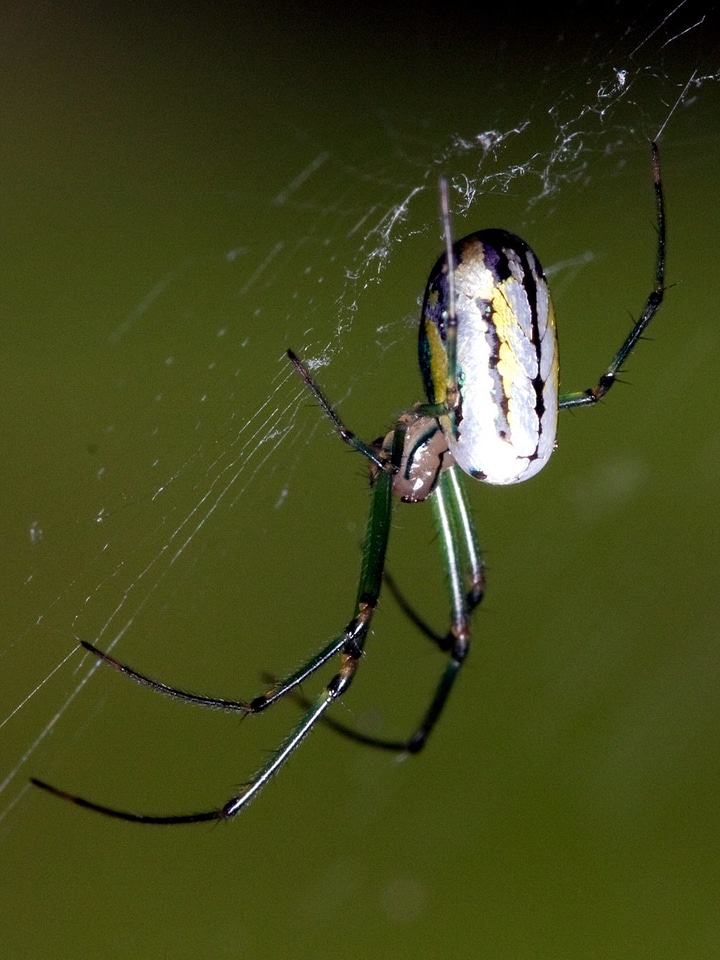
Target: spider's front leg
592 395
349 644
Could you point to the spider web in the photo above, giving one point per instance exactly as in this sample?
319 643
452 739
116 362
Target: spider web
203 435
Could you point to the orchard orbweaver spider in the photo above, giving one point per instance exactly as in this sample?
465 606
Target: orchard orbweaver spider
488 359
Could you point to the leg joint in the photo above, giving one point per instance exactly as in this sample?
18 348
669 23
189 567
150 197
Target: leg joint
352 649
341 681
460 646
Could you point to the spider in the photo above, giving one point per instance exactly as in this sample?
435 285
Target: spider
488 360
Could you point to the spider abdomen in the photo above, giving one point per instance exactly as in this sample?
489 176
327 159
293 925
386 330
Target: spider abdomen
501 422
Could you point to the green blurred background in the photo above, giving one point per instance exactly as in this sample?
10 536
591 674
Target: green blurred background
186 192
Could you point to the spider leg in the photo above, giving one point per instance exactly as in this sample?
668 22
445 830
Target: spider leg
591 396
237 802
253 786
466 579
349 644
465 574
411 613
157 685
280 687
444 642
346 435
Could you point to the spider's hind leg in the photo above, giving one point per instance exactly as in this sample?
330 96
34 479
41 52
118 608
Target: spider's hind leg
465 573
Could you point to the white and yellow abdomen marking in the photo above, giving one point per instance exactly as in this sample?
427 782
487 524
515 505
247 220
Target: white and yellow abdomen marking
502 427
